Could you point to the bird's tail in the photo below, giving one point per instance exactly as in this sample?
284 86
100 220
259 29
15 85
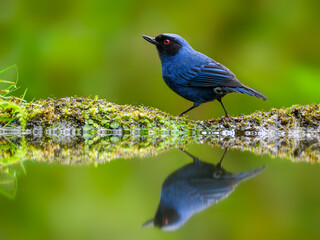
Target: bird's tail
250 91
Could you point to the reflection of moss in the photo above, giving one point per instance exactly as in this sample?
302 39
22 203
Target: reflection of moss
302 149
92 149
88 149
10 152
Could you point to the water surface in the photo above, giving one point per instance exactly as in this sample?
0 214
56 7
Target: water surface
112 187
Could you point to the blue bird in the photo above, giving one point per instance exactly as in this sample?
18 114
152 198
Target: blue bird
193 75
193 188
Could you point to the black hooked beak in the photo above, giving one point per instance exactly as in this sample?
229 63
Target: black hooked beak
150 39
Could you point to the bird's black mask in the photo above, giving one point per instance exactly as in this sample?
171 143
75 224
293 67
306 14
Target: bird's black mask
167 46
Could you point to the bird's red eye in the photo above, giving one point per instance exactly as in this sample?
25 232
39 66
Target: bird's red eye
166 42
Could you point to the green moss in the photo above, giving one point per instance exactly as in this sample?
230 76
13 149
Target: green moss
99 113
296 117
13 112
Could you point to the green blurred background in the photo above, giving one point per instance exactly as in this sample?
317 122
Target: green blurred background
88 48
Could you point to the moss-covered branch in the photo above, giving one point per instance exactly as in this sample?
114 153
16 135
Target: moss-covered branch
98 114
97 149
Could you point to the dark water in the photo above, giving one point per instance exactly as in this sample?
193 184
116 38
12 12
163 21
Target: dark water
46 194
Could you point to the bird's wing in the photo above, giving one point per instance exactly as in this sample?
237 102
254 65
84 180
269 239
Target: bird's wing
212 74
219 188
212 189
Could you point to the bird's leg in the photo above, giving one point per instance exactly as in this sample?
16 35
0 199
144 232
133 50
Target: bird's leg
194 106
195 159
224 154
219 171
220 100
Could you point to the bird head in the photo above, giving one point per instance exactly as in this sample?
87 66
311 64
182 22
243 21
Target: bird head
167 219
168 44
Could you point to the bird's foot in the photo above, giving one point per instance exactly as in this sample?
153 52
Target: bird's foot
225 118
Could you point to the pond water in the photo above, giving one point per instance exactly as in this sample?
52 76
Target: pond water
108 187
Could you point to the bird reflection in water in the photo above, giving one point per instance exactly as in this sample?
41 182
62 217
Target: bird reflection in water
193 188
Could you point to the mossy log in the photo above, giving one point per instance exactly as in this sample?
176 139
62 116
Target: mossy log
99 114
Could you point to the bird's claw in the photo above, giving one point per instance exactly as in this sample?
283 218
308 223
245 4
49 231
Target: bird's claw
225 118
